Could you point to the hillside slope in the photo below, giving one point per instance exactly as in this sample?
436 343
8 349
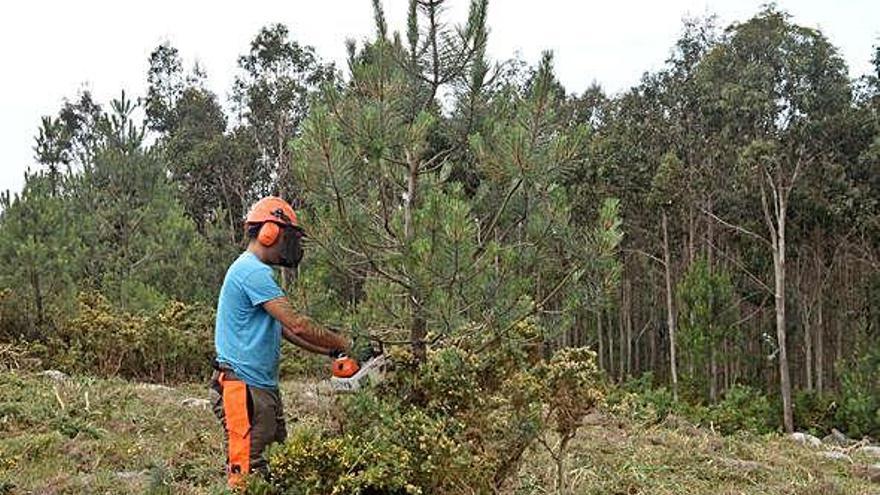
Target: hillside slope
87 435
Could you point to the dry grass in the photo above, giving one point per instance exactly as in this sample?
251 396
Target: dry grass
620 457
87 435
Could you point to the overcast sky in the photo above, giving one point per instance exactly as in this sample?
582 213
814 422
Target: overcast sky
49 50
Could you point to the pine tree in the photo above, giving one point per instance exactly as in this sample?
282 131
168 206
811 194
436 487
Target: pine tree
416 248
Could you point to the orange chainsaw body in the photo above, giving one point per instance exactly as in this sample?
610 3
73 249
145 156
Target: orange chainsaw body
345 367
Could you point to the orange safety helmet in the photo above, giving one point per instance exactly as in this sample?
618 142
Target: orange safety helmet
273 213
277 225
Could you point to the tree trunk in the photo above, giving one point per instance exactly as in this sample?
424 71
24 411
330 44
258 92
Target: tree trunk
649 354
628 324
621 333
560 462
610 328
692 234
728 364
808 352
713 375
409 201
601 340
670 310
713 352
779 276
838 350
820 345
418 325
775 215
710 238
806 297
653 345
418 329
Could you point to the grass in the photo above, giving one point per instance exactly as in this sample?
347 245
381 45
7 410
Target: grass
88 435
620 457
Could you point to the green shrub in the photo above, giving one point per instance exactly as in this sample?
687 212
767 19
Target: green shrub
458 422
171 343
742 408
639 399
404 450
858 412
13 319
168 345
814 412
177 344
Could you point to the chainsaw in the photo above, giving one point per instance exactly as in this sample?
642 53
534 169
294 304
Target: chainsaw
350 374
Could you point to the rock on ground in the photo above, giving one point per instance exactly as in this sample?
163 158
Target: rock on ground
806 439
194 402
838 438
836 456
56 375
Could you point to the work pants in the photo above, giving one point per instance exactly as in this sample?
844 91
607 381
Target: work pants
252 419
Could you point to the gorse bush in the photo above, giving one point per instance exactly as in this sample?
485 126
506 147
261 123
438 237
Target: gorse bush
168 345
570 391
459 422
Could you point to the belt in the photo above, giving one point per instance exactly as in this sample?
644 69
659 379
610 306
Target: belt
223 369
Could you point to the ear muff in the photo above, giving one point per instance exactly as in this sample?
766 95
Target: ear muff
268 233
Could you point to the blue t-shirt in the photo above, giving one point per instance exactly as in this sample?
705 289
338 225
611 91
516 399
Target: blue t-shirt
246 337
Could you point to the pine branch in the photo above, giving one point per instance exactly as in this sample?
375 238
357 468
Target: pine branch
498 213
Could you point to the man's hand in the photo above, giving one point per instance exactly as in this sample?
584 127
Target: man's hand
301 331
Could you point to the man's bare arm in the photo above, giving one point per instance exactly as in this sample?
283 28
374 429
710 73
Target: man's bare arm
302 327
295 339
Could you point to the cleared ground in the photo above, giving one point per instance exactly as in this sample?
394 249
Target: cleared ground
86 435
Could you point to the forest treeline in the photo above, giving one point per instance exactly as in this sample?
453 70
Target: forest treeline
712 229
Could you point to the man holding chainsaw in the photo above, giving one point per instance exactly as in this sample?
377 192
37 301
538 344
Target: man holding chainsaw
253 314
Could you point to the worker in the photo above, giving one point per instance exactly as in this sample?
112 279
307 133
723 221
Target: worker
253 314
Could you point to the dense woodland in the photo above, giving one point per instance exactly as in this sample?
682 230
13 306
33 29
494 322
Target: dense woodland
713 228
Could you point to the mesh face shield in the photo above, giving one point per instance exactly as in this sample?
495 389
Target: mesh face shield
290 246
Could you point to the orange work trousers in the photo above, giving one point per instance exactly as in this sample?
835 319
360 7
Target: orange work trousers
252 419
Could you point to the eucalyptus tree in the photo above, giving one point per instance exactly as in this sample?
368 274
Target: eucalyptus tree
780 85
271 96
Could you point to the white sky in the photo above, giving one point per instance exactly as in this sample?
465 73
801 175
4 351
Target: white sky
51 49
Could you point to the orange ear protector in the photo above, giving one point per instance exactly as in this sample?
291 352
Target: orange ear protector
268 233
